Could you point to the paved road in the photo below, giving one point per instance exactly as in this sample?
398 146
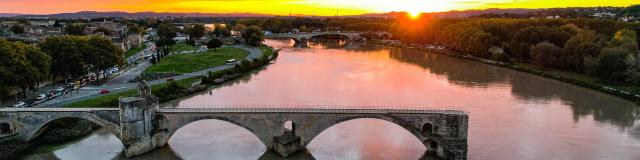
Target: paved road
124 85
132 73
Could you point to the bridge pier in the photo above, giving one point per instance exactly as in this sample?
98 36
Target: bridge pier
140 130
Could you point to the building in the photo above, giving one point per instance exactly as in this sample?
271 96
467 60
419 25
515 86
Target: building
135 40
46 23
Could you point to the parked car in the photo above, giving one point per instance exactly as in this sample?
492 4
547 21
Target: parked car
54 93
170 79
20 104
41 97
104 91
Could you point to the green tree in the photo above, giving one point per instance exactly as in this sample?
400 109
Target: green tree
166 33
68 55
22 66
134 29
610 65
545 54
218 30
17 29
104 54
74 29
253 36
584 43
195 31
103 30
165 46
239 27
214 43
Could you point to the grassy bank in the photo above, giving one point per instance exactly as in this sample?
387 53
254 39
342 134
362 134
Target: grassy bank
133 51
182 46
626 91
188 63
266 50
111 100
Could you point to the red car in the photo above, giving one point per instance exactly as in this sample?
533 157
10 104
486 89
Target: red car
104 91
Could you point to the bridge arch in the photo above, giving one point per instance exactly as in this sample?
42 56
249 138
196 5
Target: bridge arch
5 128
408 126
38 128
341 36
173 128
427 141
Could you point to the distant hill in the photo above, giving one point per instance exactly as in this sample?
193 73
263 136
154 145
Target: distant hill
455 14
8 14
93 14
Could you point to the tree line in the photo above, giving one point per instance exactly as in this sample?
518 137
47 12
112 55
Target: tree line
603 48
24 66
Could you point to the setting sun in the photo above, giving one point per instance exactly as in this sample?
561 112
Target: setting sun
414 15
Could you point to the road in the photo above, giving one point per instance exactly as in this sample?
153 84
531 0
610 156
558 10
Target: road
121 82
132 73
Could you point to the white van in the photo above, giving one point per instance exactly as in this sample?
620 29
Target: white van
232 61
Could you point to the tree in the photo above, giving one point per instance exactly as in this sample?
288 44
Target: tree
214 43
67 55
584 43
17 29
610 65
253 36
23 66
134 29
303 28
166 33
74 29
196 31
239 27
218 30
165 45
545 54
103 30
104 54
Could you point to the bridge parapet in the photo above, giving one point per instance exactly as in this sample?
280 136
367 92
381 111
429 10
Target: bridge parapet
56 109
307 109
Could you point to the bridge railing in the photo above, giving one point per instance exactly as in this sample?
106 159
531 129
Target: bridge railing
312 108
56 109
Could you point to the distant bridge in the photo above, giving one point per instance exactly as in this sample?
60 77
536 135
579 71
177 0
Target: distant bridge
144 127
304 36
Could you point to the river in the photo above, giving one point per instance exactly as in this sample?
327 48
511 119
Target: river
513 115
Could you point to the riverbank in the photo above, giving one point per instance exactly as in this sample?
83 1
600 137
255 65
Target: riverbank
626 91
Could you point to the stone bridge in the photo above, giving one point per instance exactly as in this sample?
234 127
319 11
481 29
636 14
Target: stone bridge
143 128
303 37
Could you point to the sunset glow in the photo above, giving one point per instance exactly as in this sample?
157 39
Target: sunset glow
285 7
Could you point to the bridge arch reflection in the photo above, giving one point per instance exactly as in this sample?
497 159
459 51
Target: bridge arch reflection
215 139
372 133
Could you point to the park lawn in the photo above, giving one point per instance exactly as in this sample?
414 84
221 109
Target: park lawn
108 100
111 100
182 46
193 62
266 50
133 51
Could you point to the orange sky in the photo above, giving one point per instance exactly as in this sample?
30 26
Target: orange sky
284 7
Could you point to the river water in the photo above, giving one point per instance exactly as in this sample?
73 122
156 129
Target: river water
513 115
